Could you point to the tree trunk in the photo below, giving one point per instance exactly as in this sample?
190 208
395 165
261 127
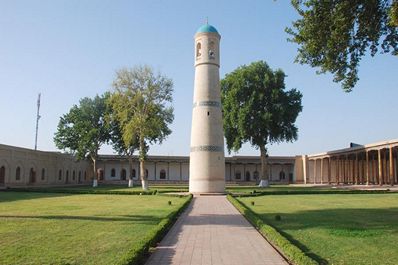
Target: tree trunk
143 176
264 182
130 185
95 177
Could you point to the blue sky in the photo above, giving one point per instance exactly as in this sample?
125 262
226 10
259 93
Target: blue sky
71 49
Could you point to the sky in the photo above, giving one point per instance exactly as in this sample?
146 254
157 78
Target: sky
70 49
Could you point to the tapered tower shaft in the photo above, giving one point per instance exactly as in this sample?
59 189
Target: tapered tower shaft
207 161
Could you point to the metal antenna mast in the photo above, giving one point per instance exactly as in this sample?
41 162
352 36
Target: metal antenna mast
37 119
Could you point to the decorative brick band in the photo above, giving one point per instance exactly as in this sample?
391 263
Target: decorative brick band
207 104
207 148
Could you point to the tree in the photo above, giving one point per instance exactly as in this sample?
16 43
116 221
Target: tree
140 103
124 144
258 110
83 130
335 35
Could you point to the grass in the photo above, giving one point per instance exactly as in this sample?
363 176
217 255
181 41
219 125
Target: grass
45 228
335 228
123 189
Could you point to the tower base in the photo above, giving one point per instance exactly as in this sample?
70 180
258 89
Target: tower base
206 186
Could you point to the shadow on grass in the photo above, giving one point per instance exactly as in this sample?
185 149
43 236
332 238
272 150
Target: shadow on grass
147 219
338 223
9 196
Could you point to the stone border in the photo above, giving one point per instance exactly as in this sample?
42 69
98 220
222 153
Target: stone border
207 104
207 148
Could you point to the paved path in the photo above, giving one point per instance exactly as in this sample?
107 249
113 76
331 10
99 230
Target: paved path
212 231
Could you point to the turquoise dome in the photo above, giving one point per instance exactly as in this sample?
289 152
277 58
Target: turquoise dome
206 28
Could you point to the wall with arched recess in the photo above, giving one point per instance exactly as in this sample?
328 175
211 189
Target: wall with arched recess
26 159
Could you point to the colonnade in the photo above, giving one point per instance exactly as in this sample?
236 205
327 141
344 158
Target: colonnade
376 165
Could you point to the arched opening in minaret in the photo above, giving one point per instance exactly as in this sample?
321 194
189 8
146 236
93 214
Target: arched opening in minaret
198 49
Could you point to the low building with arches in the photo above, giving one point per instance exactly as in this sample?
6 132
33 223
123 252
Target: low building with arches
26 167
358 164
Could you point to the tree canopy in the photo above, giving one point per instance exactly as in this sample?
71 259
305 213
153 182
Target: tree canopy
140 103
257 109
83 129
335 35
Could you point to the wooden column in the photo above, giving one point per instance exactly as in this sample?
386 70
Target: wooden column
338 176
380 167
329 169
391 159
155 171
168 170
180 171
322 171
314 171
356 169
385 170
305 171
344 170
375 174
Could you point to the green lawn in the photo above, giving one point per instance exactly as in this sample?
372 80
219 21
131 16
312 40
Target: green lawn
336 228
183 188
45 228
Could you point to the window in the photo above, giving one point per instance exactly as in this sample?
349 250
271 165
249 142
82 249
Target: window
133 174
282 175
162 174
2 175
32 175
113 173
43 174
85 175
60 174
238 175
67 176
73 175
247 176
198 50
123 174
255 174
211 50
18 173
146 173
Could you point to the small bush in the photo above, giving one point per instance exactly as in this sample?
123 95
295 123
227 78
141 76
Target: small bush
278 217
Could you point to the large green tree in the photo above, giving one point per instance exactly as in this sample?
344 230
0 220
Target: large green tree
123 144
140 103
83 130
257 109
334 35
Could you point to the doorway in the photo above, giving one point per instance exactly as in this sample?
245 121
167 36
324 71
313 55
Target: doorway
32 175
2 175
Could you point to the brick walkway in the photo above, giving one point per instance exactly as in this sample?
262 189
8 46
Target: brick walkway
212 231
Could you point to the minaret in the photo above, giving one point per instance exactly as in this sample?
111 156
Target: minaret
207 161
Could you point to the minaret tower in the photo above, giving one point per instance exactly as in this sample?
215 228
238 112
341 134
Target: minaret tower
207 161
